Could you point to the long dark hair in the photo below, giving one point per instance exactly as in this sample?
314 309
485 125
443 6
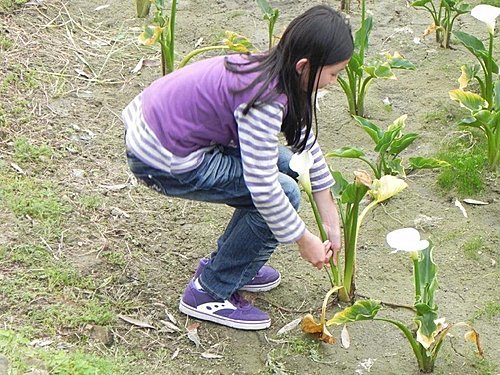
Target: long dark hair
323 37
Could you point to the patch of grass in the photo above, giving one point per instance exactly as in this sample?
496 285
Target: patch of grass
489 311
91 201
5 43
28 255
276 358
24 151
472 246
22 355
29 196
467 165
495 3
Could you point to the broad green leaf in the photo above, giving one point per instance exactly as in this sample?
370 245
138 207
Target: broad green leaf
378 70
362 35
484 116
340 184
470 121
420 162
349 194
400 144
427 328
427 271
346 152
469 71
397 61
238 43
420 3
463 8
361 310
470 42
386 141
370 128
395 167
399 123
469 100
355 64
265 7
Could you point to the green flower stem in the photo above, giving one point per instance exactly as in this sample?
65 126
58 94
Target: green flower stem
371 166
171 25
348 92
416 273
414 344
324 237
197 51
489 74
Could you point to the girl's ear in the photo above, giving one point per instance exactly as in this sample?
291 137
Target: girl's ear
301 65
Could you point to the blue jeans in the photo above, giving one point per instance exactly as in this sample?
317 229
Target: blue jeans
247 243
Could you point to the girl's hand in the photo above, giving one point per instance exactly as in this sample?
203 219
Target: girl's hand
314 251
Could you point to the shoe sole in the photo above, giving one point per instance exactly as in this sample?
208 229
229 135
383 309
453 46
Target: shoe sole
250 326
261 287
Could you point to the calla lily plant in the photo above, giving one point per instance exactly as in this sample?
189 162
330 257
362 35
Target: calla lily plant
388 144
349 197
361 74
162 31
427 339
484 107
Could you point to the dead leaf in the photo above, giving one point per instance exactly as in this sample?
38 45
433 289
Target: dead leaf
18 168
135 322
290 326
430 29
193 334
138 66
176 353
170 326
83 73
114 187
118 212
473 201
309 325
170 317
209 355
344 338
459 205
101 7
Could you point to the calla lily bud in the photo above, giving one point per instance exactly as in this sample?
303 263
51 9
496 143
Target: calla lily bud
363 178
387 187
301 163
487 14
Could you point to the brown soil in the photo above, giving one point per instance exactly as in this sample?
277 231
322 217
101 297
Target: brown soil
86 56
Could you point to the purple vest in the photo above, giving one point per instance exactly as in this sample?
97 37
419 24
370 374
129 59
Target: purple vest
193 107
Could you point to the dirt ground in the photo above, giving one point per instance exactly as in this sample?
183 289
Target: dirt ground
142 248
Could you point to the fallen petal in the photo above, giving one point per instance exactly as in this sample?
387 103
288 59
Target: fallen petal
462 208
290 326
473 201
344 338
135 322
193 334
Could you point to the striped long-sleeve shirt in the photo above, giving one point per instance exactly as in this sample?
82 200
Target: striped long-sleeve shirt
174 123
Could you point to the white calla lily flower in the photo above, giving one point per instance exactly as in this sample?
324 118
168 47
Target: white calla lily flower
407 240
301 163
487 14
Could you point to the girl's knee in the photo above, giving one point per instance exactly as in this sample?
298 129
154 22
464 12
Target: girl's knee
291 189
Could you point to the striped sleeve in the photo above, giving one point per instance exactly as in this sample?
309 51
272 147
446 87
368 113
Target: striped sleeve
258 132
320 175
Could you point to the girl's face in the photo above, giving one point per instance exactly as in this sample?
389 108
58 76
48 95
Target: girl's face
328 74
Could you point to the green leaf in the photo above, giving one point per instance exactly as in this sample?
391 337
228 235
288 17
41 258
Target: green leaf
425 320
386 141
265 7
349 194
346 152
362 35
496 95
370 128
420 162
420 3
400 144
355 64
361 310
377 70
340 184
395 167
427 271
469 100
472 43
401 63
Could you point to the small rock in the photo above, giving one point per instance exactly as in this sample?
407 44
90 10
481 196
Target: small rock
101 334
4 365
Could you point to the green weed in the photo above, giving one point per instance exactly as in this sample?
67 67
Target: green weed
5 43
467 165
276 358
91 201
495 3
22 355
29 196
489 311
472 247
24 151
